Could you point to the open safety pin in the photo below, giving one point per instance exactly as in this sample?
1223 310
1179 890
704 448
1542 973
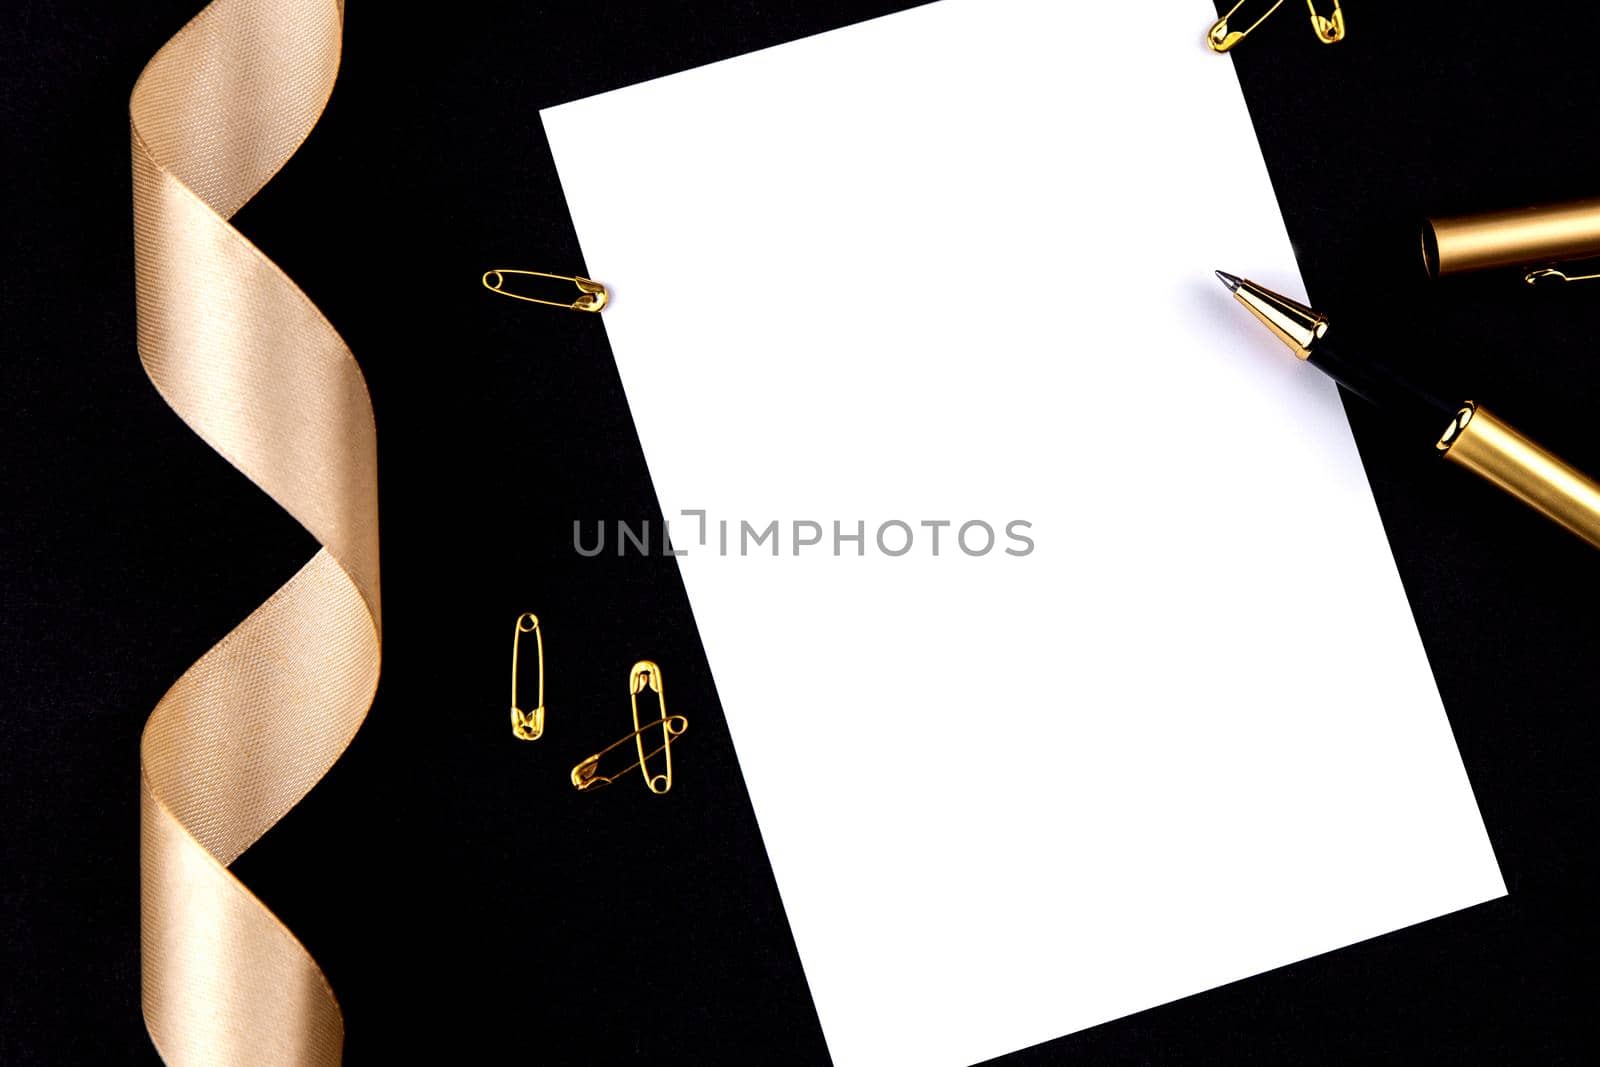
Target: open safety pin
1551 274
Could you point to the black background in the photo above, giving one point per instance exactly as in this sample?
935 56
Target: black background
461 897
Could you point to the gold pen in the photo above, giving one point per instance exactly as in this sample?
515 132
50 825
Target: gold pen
1465 433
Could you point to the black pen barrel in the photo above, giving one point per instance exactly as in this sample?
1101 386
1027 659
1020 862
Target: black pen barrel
1466 434
1416 411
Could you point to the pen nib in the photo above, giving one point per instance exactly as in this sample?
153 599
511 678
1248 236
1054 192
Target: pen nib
1292 322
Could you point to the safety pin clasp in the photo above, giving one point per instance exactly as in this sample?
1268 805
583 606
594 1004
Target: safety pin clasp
586 775
1329 28
593 295
527 725
1222 36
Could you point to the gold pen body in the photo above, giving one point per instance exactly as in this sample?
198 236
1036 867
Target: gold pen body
1497 453
1468 434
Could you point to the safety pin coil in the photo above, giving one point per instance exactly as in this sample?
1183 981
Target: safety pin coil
593 295
527 725
1328 28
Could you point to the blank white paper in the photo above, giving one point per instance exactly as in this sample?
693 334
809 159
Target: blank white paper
955 264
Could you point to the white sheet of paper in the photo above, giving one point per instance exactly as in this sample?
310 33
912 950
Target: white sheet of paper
955 264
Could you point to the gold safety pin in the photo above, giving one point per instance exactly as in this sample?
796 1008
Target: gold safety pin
527 725
1551 274
587 776
1329 28
593 298
645 674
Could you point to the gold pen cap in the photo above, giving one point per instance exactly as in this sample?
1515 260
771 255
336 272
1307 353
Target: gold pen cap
1529 237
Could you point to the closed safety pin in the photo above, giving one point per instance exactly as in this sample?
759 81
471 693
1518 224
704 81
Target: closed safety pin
527 725
1329 28
646 674
587 776
593 298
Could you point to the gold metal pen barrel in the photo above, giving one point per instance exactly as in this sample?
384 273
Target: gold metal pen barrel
1530 237
1499 454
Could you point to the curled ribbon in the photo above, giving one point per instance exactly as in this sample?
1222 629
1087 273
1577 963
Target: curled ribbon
246 360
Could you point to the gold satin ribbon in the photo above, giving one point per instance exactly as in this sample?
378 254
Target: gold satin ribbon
245 359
